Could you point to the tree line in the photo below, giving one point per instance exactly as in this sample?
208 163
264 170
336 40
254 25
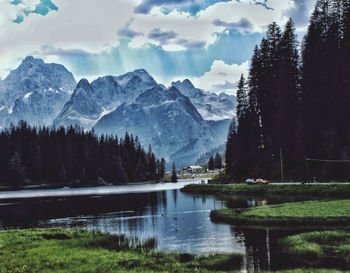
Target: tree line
295 103
31 155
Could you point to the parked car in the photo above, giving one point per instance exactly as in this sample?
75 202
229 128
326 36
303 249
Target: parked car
261 181
250 181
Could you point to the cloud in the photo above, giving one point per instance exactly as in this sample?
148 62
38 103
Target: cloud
221 17
127 32
300 11
146 5
243 24
189 6
86 36
59 52
226 86
162 37
91 26
221 77
191 44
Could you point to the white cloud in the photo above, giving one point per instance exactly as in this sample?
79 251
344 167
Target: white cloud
203 27
220 76
90 26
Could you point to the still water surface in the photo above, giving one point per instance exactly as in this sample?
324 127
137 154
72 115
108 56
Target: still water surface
179 221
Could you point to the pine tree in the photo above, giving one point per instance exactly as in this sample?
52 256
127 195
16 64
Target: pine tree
162 168
242 102
37 164
269 99
288 92
140 171
62 175
83 178
231 145
17 169
173 173
254 101
211 163
218 161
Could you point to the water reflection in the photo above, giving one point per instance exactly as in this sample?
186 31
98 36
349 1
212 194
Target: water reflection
180 222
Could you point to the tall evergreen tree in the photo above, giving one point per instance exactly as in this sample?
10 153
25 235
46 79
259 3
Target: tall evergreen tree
242 101
17 170
162 168
288 92
231 146
173 173
211 163
218 161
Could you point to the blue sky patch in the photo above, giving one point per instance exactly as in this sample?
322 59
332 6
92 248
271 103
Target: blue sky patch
263 3
43 8
190 6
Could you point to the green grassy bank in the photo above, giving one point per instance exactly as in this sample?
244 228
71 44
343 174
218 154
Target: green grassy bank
320 246
272 189
308 270
58 250
299 213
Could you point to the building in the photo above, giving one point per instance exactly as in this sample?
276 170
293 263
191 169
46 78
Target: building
194 169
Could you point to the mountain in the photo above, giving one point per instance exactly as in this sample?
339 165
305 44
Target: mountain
164 118
82 109
181 122
36 92
219 129
3 116
89 102
210 105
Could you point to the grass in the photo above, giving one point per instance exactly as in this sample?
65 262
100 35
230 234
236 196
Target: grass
59 250
272 189
320 246
309 270
298 213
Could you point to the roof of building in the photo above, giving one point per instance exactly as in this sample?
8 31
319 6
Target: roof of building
195 167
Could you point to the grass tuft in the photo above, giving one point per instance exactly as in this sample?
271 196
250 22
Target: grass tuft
319 247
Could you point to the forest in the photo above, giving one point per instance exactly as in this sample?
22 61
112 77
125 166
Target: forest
293 113
72 157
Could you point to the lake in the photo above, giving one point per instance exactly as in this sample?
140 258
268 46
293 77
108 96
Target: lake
179 221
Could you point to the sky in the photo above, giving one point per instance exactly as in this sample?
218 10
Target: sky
209 42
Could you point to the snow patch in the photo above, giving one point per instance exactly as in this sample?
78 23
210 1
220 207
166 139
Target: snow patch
26 96
106 112
210 116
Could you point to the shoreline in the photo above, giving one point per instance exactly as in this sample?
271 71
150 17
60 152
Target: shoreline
71 186
331 190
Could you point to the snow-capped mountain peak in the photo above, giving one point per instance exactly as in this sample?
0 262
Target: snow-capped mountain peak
35 91
103 95
210 105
